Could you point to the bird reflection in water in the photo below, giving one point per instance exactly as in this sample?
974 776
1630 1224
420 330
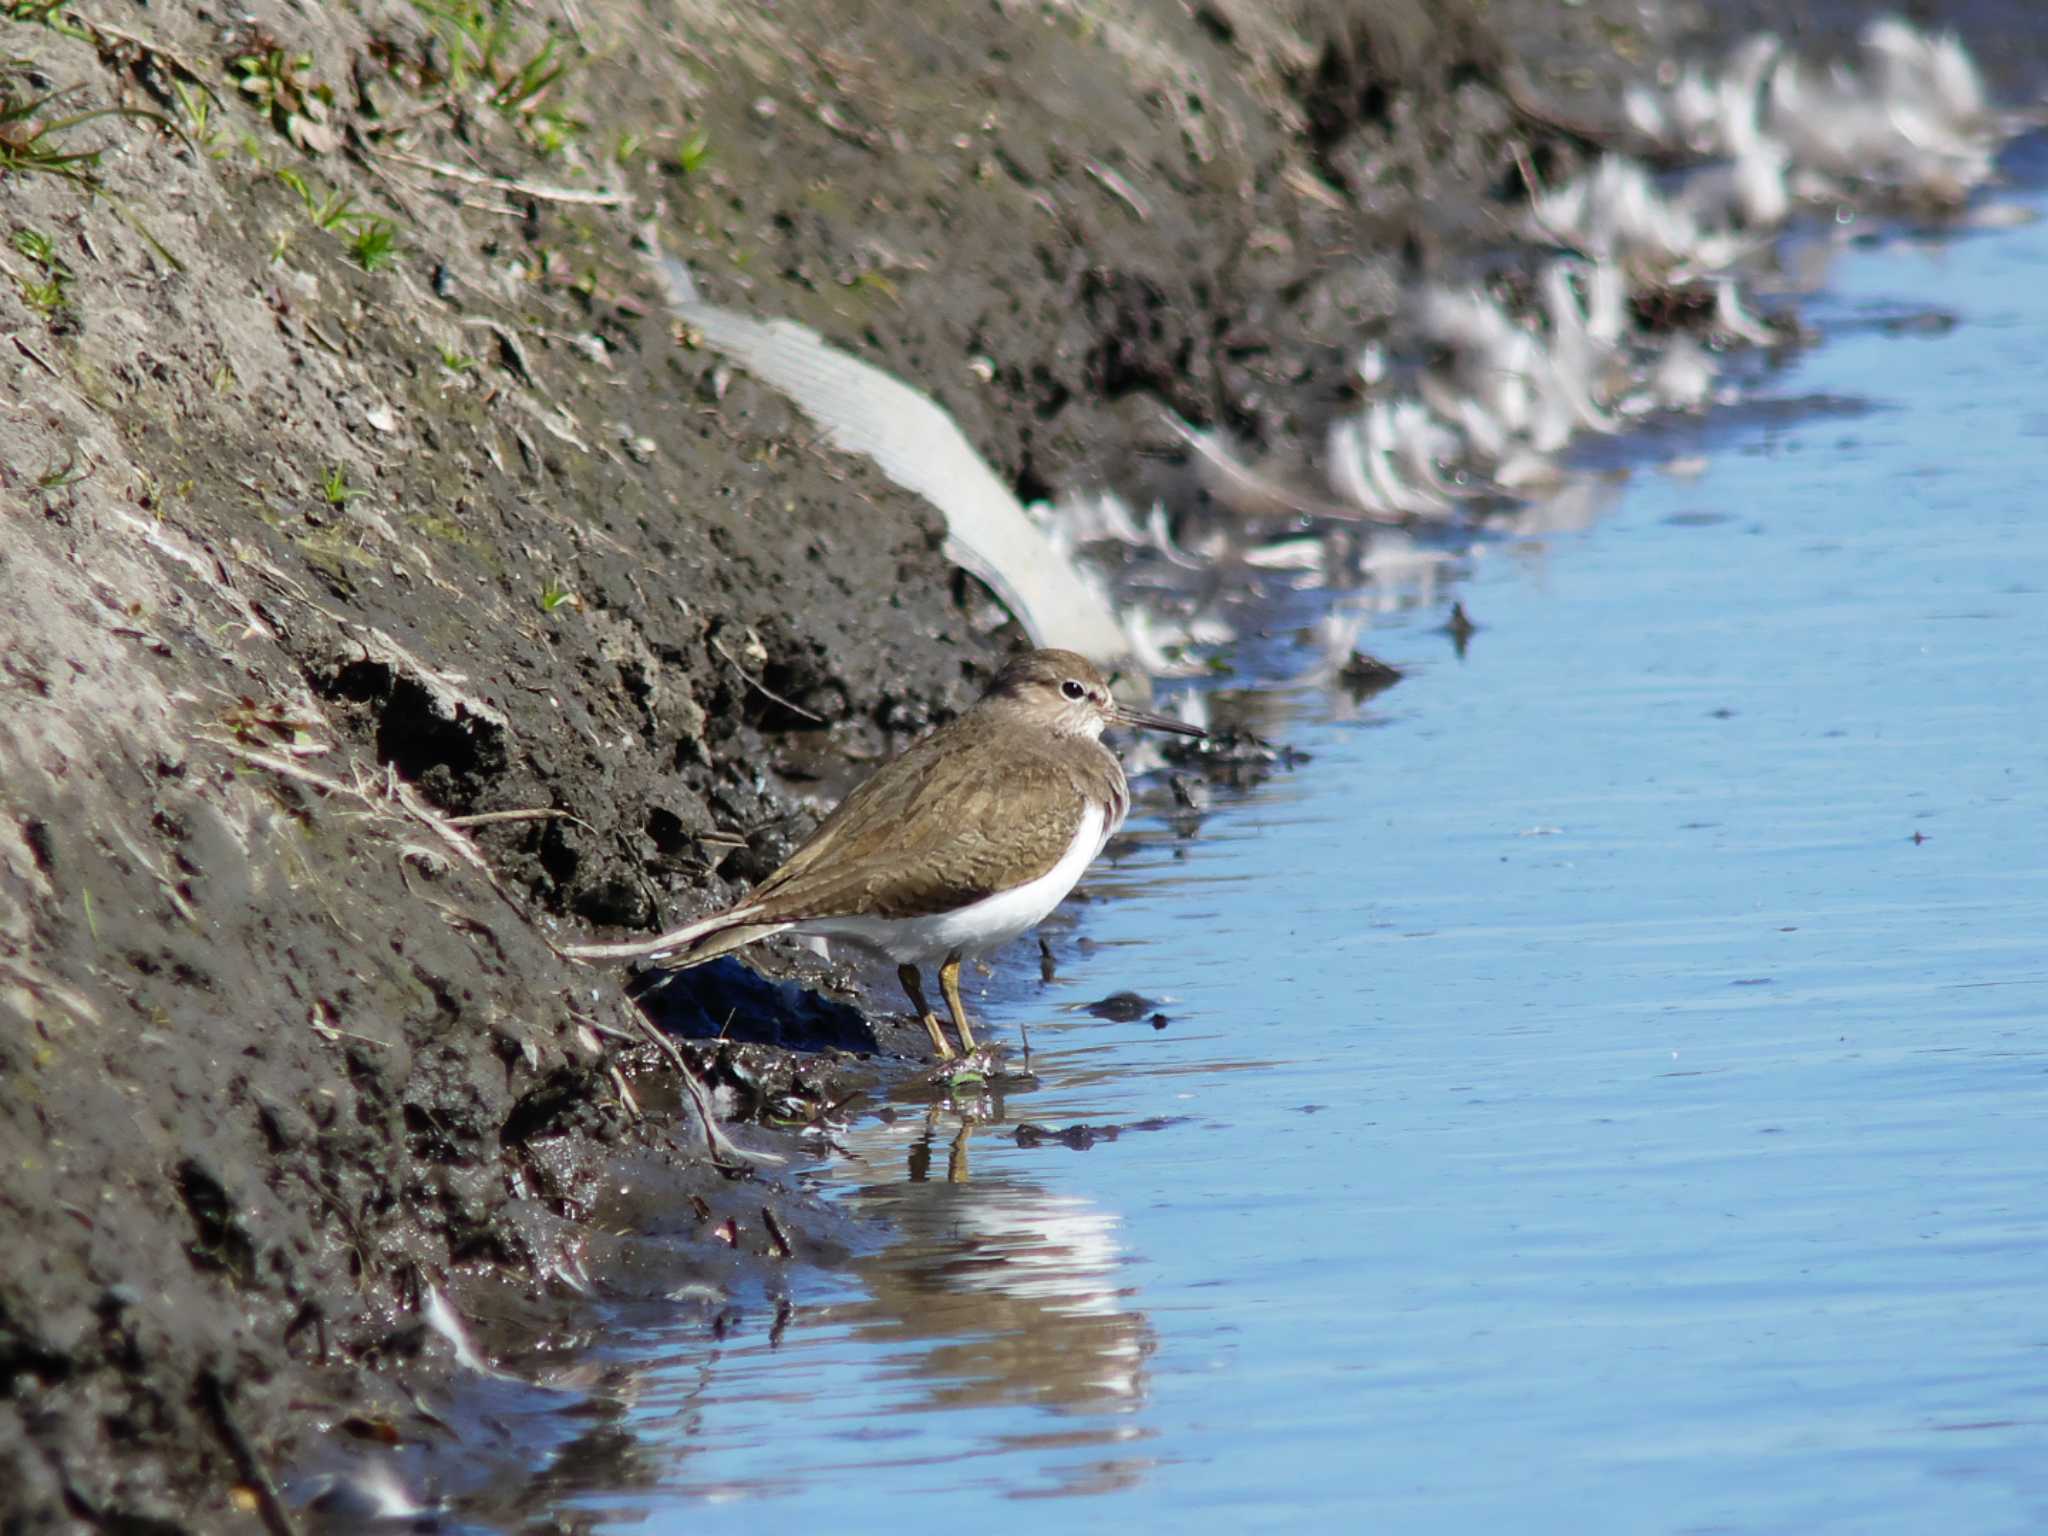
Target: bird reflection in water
999 1292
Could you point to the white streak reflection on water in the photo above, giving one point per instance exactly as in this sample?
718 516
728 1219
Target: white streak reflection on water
1586 1104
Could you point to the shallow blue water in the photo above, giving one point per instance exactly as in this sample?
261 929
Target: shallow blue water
1605 1089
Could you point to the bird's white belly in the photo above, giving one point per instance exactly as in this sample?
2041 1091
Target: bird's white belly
979 926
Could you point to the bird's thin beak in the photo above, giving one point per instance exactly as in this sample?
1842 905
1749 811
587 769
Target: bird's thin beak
1142 720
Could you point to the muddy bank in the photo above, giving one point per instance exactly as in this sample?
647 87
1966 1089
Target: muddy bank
356 488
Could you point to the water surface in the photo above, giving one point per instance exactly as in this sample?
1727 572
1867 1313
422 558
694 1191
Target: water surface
1604 1089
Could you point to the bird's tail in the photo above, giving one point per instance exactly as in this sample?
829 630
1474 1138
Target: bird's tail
692 944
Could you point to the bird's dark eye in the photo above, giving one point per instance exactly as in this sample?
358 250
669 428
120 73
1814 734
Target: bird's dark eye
1073 690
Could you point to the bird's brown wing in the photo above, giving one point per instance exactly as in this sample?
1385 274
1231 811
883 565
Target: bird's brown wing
935 828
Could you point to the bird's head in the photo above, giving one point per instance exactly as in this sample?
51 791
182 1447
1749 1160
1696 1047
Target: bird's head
1064 693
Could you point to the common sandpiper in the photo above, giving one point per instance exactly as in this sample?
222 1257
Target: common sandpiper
961 844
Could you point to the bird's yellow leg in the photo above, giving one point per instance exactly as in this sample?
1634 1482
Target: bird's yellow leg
913 983
949 983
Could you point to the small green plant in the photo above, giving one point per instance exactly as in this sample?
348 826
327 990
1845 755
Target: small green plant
473 34
29 136
331 210
49 290
554 595
551 130
67 474
521 90
374 244
483 42
877 283
198 109
627 147
45 13
32 130
336 489
197 104
456 361
372 241
694 154
38 248
45 297
298 106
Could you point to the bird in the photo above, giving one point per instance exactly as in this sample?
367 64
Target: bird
967 839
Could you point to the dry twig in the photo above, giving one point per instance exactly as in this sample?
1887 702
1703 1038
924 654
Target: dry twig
723 1149
535 189
753 681
486 818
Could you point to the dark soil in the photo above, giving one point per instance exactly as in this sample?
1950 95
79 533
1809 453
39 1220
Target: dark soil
308 552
